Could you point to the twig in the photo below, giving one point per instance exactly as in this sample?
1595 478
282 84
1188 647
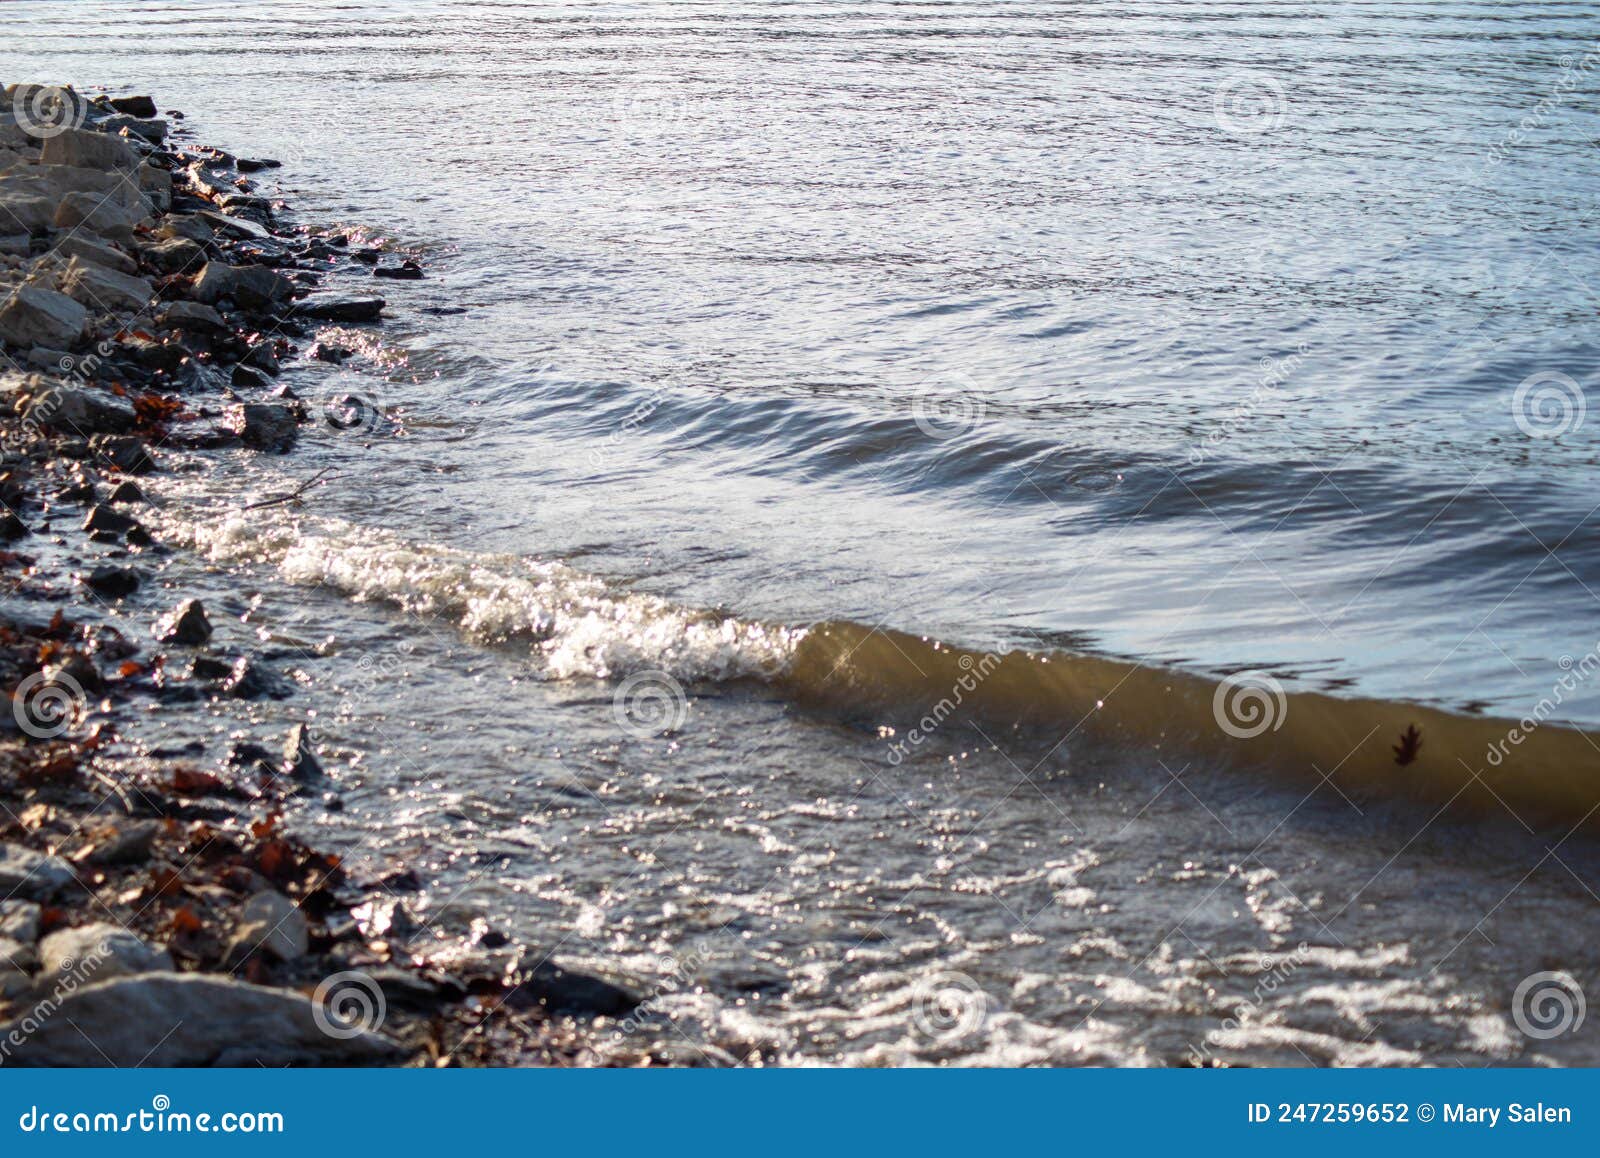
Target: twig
291 496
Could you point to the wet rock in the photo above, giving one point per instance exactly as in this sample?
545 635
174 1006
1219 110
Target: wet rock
405 271
328 352
101 288
249 680
173 1019
299 755
31 875
186 624
12 528
97 213
250 377
112 582
335 307
251 286
103 518
263 425
15 955
251 165
134 106
270 922
237 227
194 316
125 452
209 668
86 149
35 316
126 491
367 256
60 406
261 356
96 952
191 226
384 918
19 921
546 984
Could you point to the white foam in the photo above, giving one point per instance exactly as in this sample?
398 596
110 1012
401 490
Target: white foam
575 624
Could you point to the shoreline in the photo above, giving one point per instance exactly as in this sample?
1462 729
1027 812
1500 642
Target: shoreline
152 909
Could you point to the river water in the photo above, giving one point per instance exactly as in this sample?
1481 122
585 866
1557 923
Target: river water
781 368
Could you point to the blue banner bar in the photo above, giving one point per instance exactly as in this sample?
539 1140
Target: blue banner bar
801 1112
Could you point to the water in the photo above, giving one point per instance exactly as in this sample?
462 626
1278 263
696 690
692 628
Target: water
811 351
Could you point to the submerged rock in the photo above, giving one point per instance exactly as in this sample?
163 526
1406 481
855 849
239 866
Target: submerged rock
186 624
332 307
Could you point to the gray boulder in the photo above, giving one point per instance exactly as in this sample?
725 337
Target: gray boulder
173 1019
86 149
105 289
91 249
98 214
271 923
174 255
19 921
47 402
33 876
36 316
96 953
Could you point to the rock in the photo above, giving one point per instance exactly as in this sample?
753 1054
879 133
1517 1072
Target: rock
19 920
103 518
97 213
81 245
174 255
405 271
156 184
96 952
240 227
335 307
328 352
26 210
559 990
251 286
194 227
249 680
249 165
12 528
262 357
186 624
193 316
18 956
299 755
367 256
125 452
129 845
134 106
209 667
15 244
150 129
104 289
87 149
172 1019
112 582
55 405
31 875
35 316
272 923
126 491
263 425
251 378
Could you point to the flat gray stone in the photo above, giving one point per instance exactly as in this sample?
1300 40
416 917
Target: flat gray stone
34 876
97 952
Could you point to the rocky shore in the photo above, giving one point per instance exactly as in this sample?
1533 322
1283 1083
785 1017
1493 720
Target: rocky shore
155 909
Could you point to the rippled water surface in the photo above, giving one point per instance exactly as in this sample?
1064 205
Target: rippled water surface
1193 337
